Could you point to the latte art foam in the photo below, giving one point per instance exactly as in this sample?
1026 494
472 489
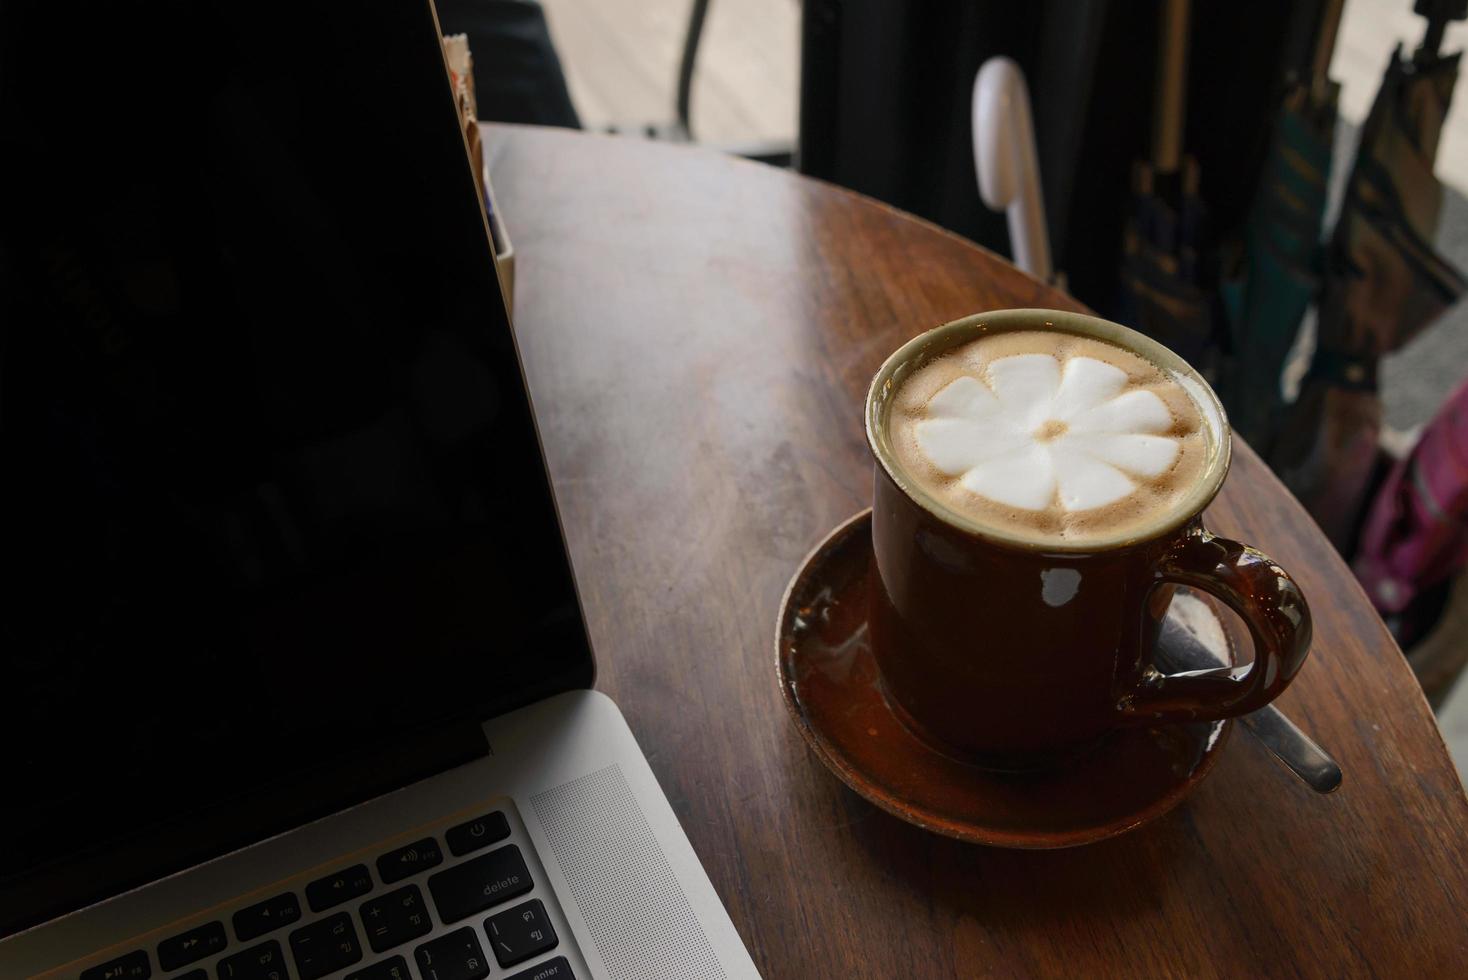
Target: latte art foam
1048 434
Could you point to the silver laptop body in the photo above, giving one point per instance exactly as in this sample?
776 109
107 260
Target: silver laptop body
285 540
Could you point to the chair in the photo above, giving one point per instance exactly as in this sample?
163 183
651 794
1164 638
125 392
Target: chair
1007 164
778 154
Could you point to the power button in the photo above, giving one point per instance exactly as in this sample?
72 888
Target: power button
477 833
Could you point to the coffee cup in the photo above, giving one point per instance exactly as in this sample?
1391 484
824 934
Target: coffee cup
1039 481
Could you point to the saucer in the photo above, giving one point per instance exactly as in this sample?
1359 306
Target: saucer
829 679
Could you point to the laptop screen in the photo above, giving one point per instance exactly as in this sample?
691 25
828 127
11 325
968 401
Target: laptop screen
274 507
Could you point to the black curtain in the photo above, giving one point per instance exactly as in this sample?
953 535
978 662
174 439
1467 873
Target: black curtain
886 89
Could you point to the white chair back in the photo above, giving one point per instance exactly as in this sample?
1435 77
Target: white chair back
1007 163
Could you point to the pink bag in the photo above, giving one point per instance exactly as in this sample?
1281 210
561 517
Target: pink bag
1416 530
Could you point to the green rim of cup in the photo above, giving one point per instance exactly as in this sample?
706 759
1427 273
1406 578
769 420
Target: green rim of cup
926 346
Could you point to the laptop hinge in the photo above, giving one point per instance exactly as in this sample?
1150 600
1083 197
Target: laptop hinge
187 839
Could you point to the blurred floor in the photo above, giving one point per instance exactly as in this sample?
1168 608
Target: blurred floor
1453 719
621 61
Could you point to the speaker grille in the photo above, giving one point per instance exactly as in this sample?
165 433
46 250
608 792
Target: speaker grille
638 915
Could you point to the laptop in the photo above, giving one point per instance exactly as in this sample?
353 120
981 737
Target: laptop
294 679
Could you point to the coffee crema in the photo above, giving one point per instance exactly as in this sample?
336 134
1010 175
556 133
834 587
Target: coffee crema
1049 435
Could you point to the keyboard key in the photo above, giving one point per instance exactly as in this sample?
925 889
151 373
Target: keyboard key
556 969
199 974
477 833
393 919
192 946
456 956
263 962
391 969
262 917
520 933
405 861
131 966
345 885
479 883
324 946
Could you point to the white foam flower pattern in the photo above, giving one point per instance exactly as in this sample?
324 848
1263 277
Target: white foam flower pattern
1039 429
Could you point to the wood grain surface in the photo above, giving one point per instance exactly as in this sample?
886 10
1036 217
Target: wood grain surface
699 333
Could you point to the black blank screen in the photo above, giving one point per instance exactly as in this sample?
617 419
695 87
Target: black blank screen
272 493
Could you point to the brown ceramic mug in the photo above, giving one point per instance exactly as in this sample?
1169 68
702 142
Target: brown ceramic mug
1016 655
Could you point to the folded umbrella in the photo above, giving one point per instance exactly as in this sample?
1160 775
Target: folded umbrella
1163 293
1383 283
1281 267
1162 274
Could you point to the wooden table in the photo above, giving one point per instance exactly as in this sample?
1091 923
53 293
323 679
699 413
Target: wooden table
699 333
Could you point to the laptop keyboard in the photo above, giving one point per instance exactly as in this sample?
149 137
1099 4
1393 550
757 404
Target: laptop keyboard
351 924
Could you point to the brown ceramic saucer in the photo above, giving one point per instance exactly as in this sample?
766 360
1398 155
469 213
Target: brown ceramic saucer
830 683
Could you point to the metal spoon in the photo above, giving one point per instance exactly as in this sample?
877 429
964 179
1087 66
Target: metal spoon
1180 649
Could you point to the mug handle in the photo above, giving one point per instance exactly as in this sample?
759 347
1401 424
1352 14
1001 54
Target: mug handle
1265 598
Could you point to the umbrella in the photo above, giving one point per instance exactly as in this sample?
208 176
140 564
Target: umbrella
1383 284
1163 294
1282 244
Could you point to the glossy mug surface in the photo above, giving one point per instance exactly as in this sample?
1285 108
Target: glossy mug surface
1016 633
